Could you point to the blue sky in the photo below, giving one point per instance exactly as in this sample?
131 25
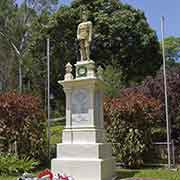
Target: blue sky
154 9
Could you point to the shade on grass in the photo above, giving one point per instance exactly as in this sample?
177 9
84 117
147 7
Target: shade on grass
8 178
148 174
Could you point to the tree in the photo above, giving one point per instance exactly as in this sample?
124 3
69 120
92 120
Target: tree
42 6
154 87
7 11
172 46
113 81
121 35
7 8
15 34
15 25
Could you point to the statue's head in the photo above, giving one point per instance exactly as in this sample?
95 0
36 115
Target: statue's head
84 16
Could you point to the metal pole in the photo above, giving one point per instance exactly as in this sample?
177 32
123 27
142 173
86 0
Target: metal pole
173 154
165 94
20 77
48 99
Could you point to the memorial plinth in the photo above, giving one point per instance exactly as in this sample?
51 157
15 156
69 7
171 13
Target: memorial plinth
83 153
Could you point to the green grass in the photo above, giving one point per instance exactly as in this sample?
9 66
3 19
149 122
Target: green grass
161 174
8 178
15 177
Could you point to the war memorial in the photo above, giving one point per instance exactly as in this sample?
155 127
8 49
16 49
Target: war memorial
84 153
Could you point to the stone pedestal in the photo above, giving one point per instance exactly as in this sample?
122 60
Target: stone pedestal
84 154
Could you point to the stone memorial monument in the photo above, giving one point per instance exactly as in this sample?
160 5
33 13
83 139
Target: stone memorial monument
83 153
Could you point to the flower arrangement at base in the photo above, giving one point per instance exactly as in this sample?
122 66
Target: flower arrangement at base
46 175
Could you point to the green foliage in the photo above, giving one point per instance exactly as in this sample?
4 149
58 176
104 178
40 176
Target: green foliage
122 38
113 81
42 6
15 24
7 8
11 165
178 119
172 47
56 134
7 13
56 137
134 149
23 121
159 134
128 121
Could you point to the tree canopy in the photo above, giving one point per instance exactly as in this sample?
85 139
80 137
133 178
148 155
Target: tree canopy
121 36
172 47
122 40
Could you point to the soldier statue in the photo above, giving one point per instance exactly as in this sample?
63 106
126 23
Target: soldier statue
84 35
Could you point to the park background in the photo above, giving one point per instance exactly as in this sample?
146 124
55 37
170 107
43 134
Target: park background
128 49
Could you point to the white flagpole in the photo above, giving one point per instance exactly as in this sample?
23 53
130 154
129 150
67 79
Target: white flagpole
165 94
48 99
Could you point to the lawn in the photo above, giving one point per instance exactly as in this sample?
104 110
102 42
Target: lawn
161 174
8 178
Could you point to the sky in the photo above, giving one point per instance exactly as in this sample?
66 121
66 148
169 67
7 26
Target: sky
154 10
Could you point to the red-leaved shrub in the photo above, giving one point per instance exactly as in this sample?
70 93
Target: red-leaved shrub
128 121
22 120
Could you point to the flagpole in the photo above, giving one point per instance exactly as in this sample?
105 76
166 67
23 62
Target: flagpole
165 94
48 99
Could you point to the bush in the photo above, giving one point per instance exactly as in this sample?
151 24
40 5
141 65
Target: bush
154 87
113 81
23 121
11 165
56 134
128 121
